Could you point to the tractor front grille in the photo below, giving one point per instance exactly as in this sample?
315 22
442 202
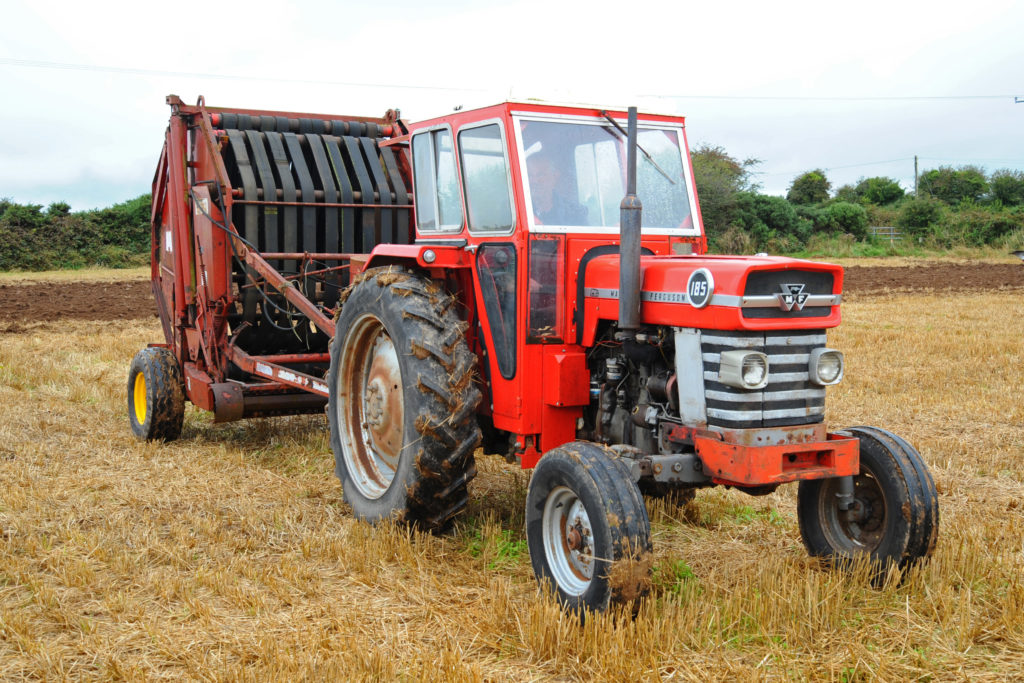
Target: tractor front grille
774 282
789 398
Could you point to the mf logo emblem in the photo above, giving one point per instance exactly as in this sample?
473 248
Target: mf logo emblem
792 297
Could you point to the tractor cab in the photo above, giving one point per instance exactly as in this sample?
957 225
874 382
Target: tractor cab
531 193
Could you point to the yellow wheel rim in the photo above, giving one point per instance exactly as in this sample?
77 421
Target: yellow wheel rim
139 396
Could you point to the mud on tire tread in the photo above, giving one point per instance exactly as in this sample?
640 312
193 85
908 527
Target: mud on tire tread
616 510
436 462
165 395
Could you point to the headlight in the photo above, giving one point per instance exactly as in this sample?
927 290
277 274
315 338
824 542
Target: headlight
743 369
826 366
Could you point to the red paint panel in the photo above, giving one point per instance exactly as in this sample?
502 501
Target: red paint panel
566 379
559 426
757 465
197 387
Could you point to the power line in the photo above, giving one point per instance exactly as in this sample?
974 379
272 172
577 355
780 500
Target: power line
36 64
68 66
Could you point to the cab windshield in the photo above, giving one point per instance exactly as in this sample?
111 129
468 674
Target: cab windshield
576 176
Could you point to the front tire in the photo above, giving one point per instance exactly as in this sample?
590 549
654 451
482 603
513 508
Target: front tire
895 517
402 402
156 395
585 519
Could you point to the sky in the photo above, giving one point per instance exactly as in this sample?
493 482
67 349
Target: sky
856 89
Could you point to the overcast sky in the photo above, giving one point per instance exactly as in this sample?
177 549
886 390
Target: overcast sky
799 85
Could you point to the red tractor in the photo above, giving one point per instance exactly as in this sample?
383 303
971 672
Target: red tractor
515 275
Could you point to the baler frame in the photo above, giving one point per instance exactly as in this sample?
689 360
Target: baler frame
203 244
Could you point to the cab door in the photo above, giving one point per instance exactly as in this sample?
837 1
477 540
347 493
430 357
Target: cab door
498 265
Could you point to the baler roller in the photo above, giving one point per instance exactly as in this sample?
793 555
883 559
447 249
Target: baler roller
298 186
348 173
283 124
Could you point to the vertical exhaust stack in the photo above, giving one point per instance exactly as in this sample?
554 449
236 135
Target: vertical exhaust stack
629 241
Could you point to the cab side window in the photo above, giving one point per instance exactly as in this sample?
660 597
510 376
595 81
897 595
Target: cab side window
485 176
438 204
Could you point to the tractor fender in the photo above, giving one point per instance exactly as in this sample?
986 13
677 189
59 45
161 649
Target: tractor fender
429 256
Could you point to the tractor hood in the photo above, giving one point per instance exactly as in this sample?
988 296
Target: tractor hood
717 292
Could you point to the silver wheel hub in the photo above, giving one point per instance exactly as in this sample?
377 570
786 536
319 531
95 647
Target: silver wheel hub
370 407
568 541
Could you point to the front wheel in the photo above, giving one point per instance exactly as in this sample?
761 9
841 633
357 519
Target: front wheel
894 519
587 528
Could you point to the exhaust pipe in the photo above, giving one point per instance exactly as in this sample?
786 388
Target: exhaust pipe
629 241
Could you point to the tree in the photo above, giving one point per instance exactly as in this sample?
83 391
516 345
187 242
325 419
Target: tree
879 190
1007 185
720 177
954 185
811 187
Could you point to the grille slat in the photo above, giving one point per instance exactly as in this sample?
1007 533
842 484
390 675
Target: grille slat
788 399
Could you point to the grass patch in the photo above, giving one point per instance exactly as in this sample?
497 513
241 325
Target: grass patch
231 554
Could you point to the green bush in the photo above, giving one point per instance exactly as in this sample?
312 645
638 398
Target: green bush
33 239
1007 186
979 226
771 220
882 215
918 217
734 240
848 218
954 186
879 190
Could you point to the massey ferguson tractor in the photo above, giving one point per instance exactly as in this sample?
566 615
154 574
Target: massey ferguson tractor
528 278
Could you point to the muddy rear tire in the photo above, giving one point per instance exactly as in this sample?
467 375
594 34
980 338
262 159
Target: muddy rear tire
402 401
895 518
587 528
156 395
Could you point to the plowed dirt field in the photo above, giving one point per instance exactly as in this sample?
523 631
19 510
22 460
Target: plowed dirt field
128 300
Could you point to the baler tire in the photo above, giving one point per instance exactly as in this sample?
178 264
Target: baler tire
897 503
403 448
587 529
156 395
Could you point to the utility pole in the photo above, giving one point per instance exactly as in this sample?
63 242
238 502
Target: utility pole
915 176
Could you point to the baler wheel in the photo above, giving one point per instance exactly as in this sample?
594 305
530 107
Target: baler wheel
402 401
895 516
587 528
156 396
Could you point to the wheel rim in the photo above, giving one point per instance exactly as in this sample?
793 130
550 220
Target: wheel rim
568 541
139 398
371 407
862 528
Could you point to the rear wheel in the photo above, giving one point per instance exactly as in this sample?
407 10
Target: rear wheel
402 401
894 518
587 528
156 396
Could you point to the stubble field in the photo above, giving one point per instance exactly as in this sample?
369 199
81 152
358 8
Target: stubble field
230 555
